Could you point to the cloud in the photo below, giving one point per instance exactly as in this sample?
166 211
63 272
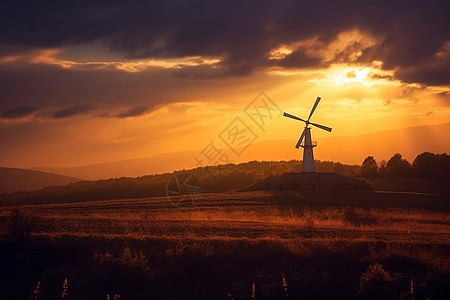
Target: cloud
74 110
299 59
241 33
62 89
112 92
133 112
434 72
19 112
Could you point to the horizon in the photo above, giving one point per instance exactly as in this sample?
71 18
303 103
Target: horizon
176 161
131 91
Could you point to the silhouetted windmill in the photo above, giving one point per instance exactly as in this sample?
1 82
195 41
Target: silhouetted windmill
308 145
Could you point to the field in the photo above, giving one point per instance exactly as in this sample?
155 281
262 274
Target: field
236 245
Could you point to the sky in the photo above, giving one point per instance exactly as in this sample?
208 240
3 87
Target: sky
85 82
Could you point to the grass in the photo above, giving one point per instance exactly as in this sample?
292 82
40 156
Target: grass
146 248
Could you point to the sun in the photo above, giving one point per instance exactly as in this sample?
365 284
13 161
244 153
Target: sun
350 77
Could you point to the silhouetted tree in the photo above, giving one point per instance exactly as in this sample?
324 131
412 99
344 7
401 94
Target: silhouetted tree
338 168
369 167
20 224
324 166
429 165
382 168
397 166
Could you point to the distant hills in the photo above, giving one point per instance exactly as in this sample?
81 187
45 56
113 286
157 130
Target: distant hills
229 177
253 175
14 180
345 149
157 164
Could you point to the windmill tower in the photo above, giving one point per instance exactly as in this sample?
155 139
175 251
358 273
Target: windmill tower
308 145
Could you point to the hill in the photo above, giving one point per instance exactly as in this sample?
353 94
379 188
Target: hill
381 145
209 179
161 163
254 175
14 180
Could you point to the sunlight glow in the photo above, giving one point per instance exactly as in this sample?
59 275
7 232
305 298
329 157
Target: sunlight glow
347 76
347 47
350 77
280 52
49 56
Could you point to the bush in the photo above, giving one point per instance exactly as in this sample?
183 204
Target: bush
126 259
375 283
20 224
127 270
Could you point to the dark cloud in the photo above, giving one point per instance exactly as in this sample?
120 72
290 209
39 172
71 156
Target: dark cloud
18 112
242 32
435 72
133 112
380 76
299 59
74 110
65 87
60 90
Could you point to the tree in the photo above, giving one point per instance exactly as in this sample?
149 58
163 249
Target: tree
20 224
429 165
382 168
339 168
369 167
397 166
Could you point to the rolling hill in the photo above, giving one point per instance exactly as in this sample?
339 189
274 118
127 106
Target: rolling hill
345 149
14 180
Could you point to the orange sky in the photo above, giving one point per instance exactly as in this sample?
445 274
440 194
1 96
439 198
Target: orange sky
79 103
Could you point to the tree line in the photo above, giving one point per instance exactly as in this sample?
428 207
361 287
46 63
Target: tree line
227 177
211 179
425 165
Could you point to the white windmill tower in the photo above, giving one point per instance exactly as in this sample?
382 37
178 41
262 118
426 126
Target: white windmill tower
308 145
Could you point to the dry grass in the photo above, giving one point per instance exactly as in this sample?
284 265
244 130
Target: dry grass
132 220
128 243
241 217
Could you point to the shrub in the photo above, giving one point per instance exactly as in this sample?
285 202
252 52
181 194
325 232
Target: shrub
375 283
20 224
126 259
126 270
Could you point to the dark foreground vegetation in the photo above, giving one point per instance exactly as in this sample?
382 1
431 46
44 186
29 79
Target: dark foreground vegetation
229 177
165 269
254 245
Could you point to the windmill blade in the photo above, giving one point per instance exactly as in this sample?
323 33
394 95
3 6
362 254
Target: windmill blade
322 127
293 117
300 139
314 107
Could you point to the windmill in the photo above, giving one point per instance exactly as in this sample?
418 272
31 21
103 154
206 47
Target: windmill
308 145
